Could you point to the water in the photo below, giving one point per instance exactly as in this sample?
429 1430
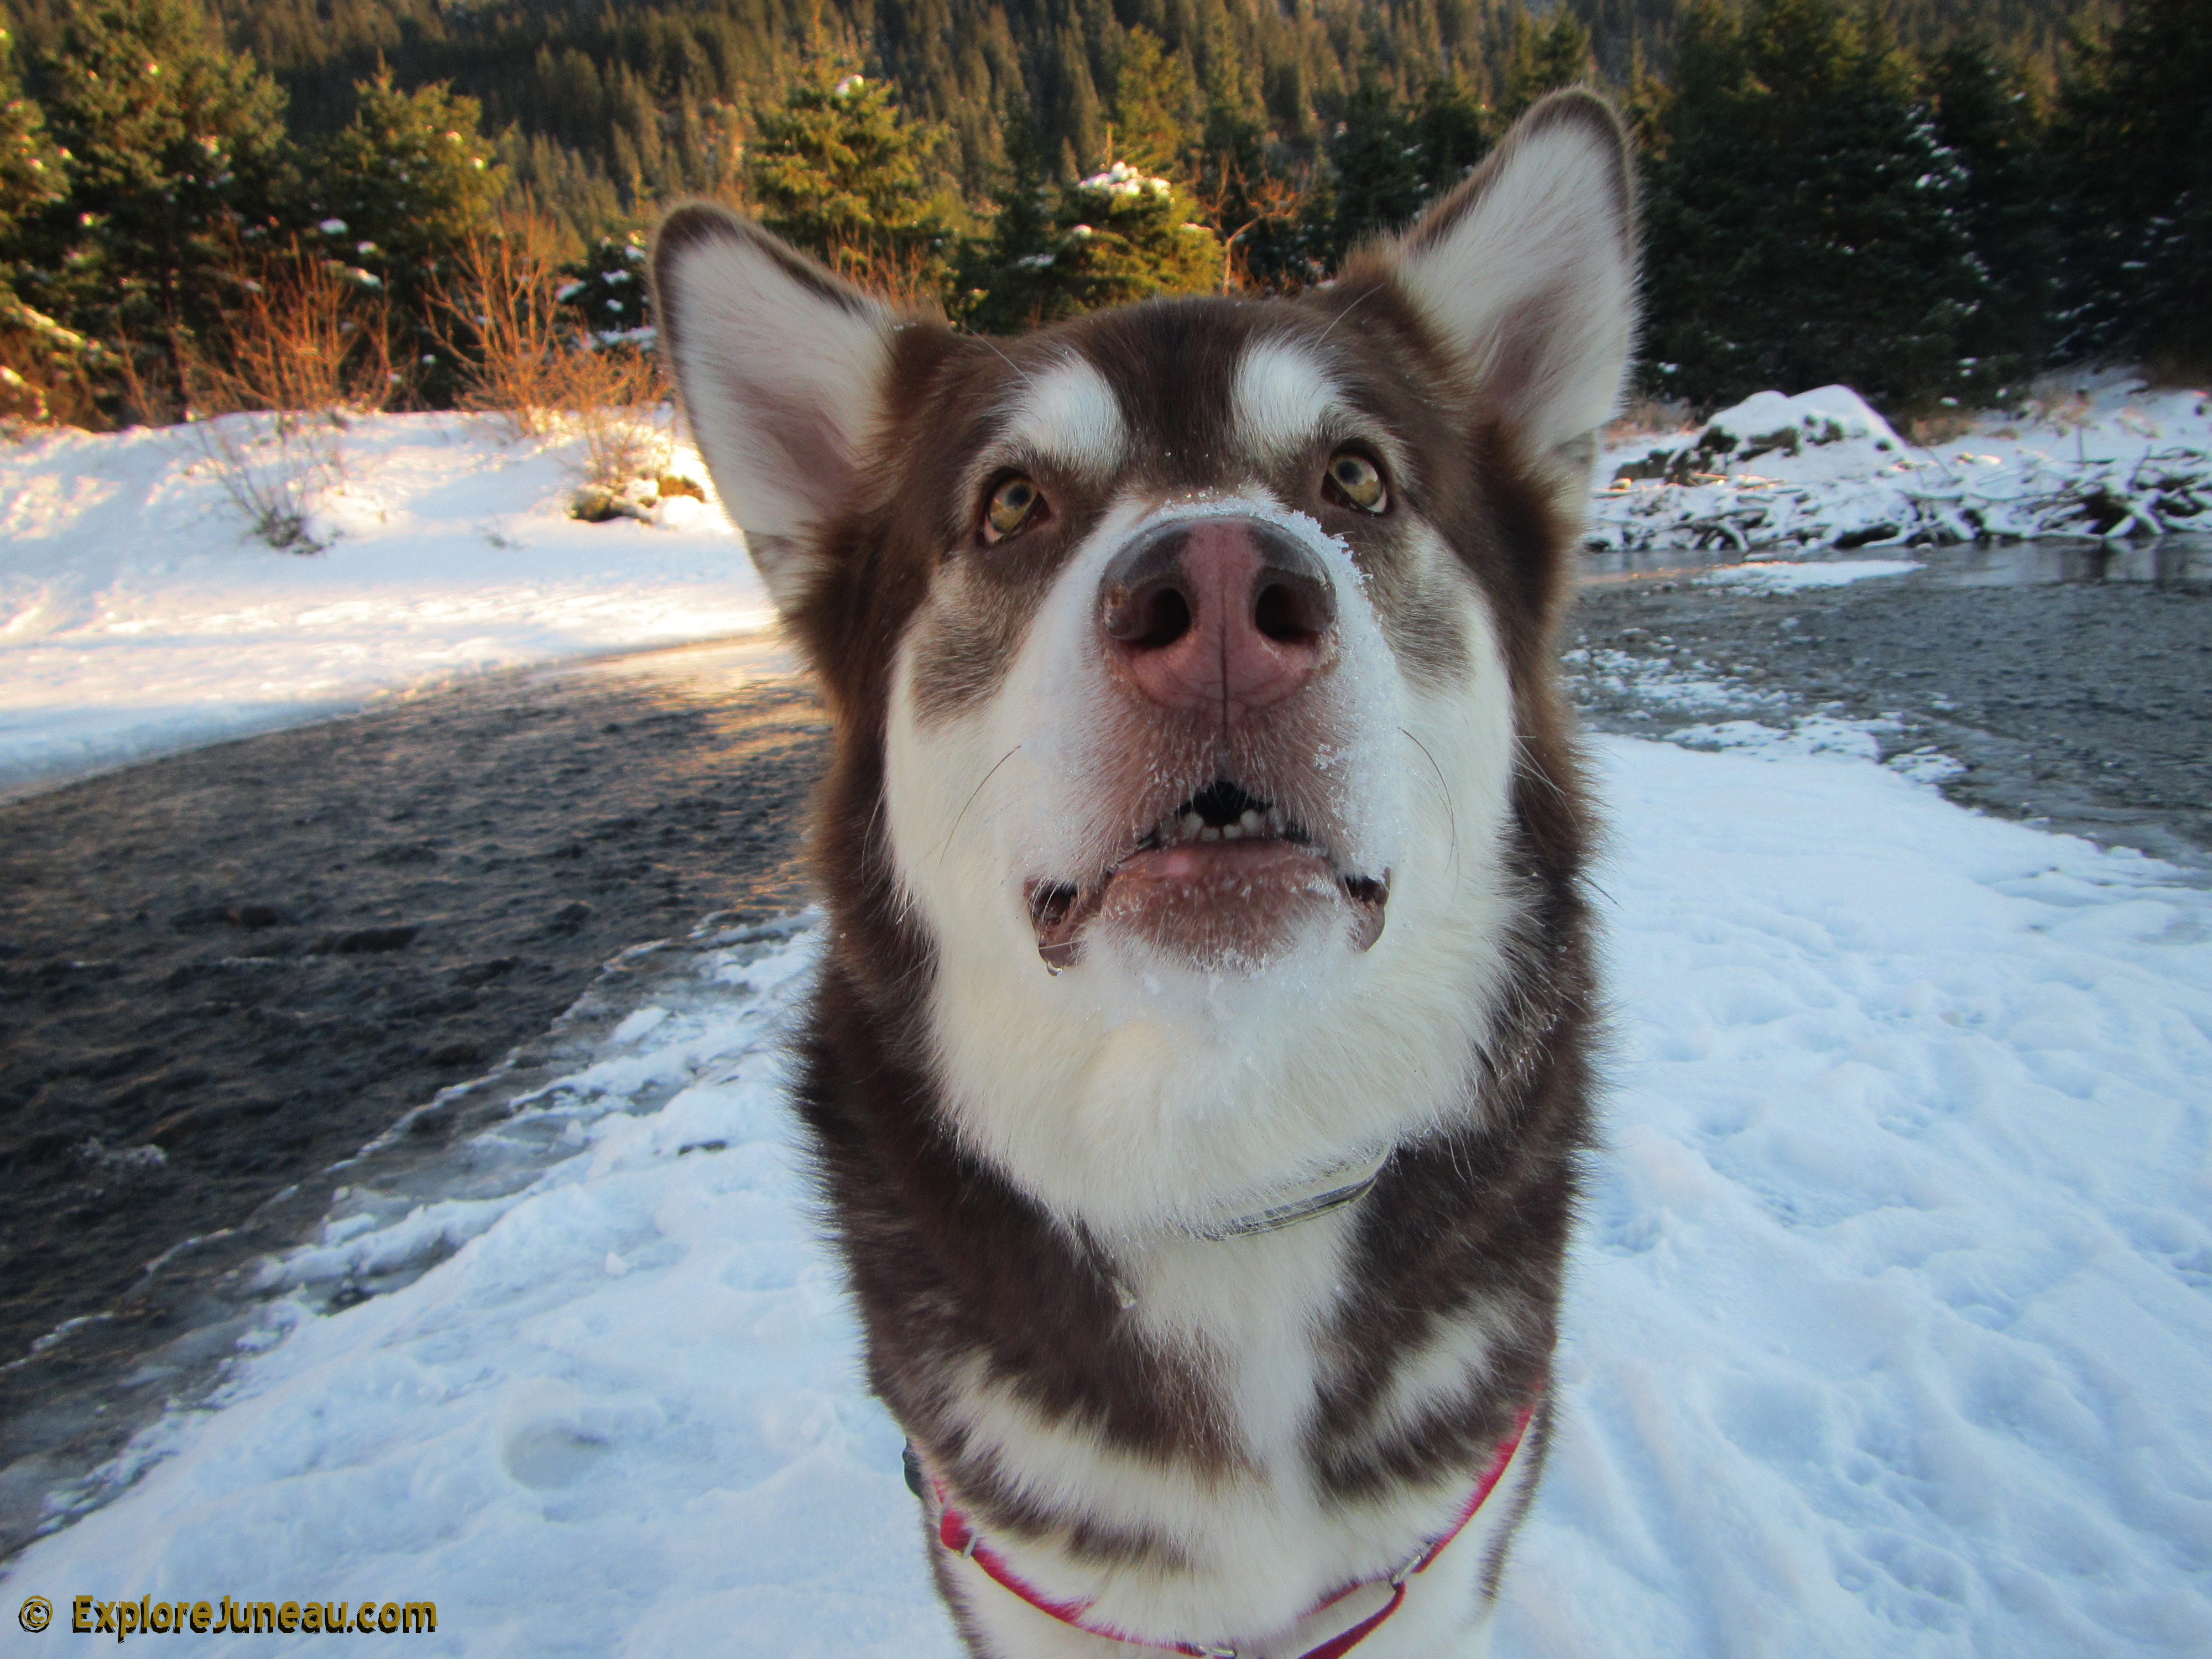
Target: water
2169 561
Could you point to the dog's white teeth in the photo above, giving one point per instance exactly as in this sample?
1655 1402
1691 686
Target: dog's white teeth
1251 824
1275 822
1230 832
1209 833
1192 824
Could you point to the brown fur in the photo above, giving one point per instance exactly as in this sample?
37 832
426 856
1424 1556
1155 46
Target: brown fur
953 1267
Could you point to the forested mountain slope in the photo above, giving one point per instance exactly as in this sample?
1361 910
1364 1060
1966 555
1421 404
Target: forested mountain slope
1932 201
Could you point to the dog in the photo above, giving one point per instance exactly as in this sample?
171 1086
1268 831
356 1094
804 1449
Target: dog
1200 1065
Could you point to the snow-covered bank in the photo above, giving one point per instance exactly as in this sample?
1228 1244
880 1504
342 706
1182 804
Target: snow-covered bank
138 614
1821 469
1889 1332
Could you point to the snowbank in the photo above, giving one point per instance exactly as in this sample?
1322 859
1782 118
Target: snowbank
138 615
1889 1332
1822 468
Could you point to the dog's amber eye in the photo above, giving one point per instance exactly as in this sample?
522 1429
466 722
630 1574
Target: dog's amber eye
1015 506
1355 481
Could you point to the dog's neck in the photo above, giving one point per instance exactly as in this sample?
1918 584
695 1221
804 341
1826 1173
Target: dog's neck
1337 1189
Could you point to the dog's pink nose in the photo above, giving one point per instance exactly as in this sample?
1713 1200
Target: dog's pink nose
1222 616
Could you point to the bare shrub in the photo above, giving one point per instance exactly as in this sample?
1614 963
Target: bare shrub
1644 415
304 348
1944 425
535 365
502 319
1229 194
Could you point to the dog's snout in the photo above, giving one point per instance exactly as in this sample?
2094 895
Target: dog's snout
1218 614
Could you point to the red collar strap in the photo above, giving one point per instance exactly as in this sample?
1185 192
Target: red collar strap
954 1533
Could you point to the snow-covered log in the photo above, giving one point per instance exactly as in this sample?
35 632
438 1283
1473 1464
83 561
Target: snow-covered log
1823 470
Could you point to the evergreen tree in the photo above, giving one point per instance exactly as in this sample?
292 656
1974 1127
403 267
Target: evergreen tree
1387 161
997 290
838 169
1454 130
2136 150
1987 119
393 195
177 151
1155 108
1375 178
1805 224
34 178
1557 54
1117 236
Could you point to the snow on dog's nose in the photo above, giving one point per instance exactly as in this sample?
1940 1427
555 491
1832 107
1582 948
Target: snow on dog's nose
1217 614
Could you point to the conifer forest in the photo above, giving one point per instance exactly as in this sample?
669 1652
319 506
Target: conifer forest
1930 200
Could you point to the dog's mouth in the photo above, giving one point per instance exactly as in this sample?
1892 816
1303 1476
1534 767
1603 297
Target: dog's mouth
1221 879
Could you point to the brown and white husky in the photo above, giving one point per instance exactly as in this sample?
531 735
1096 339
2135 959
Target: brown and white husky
1197 1073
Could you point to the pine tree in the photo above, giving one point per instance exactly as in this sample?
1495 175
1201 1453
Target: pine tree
33 180
1558 54
2134 142
1987 119
1376 178
838 170
1806 225
1156 108
999 290
389 199
33 176
177 150
1454 130
1117 236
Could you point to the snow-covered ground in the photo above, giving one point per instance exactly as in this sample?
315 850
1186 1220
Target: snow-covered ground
1890 1330
137 613
2107 458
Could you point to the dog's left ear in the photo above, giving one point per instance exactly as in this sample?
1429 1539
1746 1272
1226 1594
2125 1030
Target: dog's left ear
1528 270
782 370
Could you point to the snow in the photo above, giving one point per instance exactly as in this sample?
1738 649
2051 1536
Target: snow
138 614
2109 458
1889 1332
1778 576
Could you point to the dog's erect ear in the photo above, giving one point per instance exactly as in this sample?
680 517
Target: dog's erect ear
1529 269
781 370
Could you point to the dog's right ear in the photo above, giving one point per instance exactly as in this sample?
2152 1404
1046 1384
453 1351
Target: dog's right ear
781 370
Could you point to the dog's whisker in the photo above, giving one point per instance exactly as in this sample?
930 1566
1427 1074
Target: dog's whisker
1443 790
945 845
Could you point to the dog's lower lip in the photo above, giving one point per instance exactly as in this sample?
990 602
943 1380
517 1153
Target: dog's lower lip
1059 911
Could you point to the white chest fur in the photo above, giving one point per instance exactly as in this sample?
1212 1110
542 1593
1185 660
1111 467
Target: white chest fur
1261 1543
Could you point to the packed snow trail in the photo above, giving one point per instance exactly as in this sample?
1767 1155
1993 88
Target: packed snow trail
1890 1332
